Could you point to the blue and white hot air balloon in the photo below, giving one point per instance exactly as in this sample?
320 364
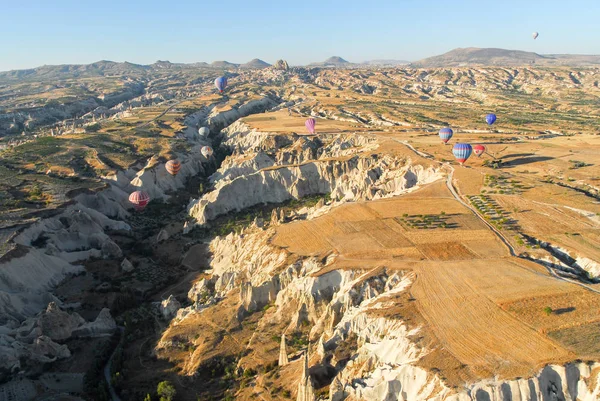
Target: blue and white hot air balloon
221 83
462 151
445 134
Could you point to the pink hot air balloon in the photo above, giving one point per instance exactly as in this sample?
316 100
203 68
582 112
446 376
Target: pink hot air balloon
139 199
478 150
310 125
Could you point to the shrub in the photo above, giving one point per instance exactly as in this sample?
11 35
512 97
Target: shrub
166 391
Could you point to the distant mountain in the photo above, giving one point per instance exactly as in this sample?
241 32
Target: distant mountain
100 68
334 61
255 64
501 57
385 62
223 64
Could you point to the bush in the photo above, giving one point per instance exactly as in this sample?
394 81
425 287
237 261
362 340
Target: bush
547 310
166 391
92 127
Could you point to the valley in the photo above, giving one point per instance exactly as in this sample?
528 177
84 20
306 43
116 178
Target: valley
361 262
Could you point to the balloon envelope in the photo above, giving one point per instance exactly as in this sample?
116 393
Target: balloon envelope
173 166
206 151
310 125
139 199
445 134
490 118
203 131
535 35
478 150
221 83
462 151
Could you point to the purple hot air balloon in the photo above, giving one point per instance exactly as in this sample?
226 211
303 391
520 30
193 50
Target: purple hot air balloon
490 118
221 83
310 125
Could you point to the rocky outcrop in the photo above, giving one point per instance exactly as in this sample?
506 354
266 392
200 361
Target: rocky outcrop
126 266
35 340
103 325
306 390
281 65
169 307
283 356
350 179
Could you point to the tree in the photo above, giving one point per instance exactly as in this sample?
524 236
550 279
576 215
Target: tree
147 397
548 310
166 391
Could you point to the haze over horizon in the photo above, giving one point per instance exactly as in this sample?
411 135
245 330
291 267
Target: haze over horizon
68 32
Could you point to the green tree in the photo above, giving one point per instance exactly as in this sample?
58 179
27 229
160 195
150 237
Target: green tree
547 310
147 397
166 391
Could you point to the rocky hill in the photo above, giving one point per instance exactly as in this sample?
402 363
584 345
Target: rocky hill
255 64
223 64
501 57
334 61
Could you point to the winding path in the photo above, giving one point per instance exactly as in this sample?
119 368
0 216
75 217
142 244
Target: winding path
113 394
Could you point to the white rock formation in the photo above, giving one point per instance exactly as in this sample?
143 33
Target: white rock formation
34 341
306 391
283 356
126 266
169 307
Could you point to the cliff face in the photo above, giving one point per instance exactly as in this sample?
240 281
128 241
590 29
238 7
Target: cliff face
303 167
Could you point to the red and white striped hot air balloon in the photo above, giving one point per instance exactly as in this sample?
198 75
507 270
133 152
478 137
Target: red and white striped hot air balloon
139 199
478 150
173 166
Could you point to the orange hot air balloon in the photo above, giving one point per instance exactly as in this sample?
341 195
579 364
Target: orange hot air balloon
139 199
478 150
173 166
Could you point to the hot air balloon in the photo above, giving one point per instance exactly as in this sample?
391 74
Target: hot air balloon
207 151
535 35
173 166
490 118
221 83
203 131
478 150
310 125
139 199
446 133
462 151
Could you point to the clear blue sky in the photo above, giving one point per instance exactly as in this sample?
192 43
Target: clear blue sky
38 32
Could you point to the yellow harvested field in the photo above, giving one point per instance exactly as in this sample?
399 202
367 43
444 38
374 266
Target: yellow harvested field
440 236
281 122
571 308
449 251
396 207
474 329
